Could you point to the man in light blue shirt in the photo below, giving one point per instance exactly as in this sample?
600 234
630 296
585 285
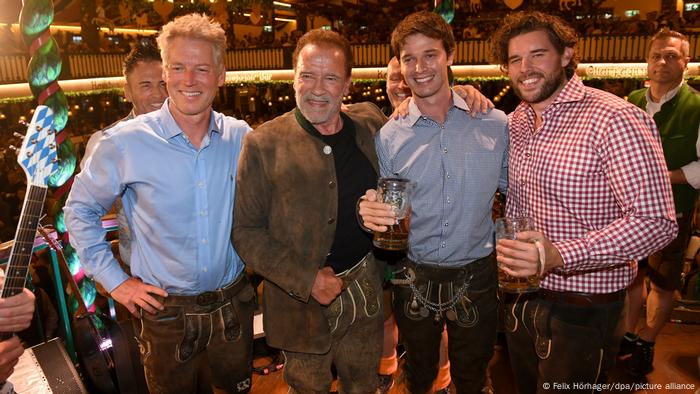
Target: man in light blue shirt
457 163
174 170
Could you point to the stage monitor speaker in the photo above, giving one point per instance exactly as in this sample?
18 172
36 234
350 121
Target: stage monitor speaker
46 368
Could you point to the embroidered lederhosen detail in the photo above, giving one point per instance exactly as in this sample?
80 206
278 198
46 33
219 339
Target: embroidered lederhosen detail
359 296
441 292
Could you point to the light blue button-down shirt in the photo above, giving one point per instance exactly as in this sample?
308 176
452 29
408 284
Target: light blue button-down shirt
178 201
457 168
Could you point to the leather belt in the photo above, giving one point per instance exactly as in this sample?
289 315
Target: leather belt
209 297
442 274
581 299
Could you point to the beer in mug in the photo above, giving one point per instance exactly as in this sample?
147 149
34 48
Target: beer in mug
397 193
507 228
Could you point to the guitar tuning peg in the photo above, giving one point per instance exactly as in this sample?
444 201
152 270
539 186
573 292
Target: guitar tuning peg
18 135
23 123
14 149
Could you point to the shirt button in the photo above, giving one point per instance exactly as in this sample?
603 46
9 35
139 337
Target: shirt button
446 224
442 245
205 269
331 184
449 200
203 212
444 150
200 184
522 183
448 175
527 154
204 241
331 220
327 149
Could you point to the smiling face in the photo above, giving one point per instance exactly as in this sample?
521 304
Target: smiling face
320 82
424 65
536 69
396 88
145 87
667 61
192 76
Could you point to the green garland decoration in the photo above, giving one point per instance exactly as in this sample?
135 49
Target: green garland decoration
43 70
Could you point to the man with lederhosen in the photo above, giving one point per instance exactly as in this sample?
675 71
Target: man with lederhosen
457 163
299 178
589 170
174 170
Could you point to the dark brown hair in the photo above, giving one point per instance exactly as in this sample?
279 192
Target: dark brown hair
667 33
325 38
426 23
560 34
145 51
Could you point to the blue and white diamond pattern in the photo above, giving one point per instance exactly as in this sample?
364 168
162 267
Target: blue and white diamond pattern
38 155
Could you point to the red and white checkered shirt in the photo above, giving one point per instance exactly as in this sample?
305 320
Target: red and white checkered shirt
594 180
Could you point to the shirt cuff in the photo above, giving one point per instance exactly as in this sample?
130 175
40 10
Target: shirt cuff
112 277
692 173
573 252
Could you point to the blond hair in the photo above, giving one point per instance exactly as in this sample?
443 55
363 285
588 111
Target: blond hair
196 26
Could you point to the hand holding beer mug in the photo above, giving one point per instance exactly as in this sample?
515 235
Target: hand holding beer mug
395 192
508 228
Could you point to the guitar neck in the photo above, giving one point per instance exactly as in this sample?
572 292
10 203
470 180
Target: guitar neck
21 254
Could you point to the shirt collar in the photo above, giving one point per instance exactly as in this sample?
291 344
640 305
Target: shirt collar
170 128
574 90
414 113
666 97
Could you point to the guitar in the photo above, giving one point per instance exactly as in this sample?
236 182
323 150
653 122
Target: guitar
38 158
108 358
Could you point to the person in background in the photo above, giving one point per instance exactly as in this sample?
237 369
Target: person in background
145 88
174 169
457 162
588 168
396 89
675 107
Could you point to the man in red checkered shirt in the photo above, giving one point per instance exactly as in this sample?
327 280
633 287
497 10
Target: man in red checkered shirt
588 168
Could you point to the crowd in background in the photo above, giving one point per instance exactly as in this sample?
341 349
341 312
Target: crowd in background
361 29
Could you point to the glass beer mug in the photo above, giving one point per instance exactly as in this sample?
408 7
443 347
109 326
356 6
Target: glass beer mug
507 228
397 193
